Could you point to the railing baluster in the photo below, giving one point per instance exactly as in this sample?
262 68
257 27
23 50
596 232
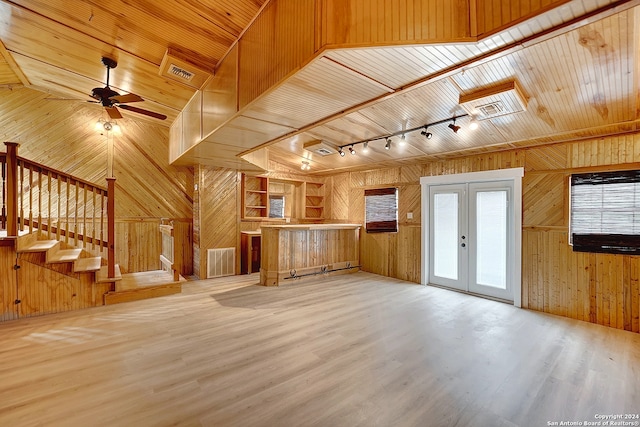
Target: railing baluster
21 195
76 216
39 199
59 222
49 205
93 220
84 216
66 228
101 221
4 194
30 200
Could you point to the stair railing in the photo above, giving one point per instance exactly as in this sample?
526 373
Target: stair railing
64 207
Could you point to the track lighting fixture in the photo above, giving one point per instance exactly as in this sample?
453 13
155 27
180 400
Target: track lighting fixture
453 126
424 131
305 166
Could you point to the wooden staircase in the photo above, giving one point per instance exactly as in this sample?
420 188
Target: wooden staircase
57 244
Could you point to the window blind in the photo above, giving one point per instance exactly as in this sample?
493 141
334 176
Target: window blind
605 212
276 206
381 210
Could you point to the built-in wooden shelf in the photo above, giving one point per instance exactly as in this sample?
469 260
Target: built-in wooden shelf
255 196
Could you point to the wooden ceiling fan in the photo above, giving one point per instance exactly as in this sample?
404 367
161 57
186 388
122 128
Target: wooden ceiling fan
112 100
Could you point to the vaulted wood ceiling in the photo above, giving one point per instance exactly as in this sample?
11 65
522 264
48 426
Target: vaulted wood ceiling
577 66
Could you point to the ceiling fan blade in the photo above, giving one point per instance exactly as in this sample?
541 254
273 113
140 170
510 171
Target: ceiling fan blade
129 97
145 112
113 113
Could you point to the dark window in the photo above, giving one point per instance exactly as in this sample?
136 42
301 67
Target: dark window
605 212
381 210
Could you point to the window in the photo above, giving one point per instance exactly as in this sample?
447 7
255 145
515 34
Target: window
605 212
381 210
276 206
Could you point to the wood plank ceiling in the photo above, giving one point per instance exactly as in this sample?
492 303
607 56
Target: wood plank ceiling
56 45
579 77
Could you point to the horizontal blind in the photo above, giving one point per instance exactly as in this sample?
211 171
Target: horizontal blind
605 207
276 206
381 210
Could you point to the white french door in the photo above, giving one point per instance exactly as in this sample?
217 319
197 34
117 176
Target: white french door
472 237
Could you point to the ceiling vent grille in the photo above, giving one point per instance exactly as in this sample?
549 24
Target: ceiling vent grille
320 147
180 72
183 70
495 101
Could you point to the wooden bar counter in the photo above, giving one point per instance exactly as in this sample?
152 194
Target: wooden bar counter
305 250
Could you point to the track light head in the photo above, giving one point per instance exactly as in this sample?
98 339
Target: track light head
365 147
473 123
341 152
388 144
453 126
352 151
403 139
426 133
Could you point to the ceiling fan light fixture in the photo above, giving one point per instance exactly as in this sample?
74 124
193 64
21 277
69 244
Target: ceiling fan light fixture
305 166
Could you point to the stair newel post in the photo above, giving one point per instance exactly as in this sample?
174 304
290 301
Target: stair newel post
12 188
111 227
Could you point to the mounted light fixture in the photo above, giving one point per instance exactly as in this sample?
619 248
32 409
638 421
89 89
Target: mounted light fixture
305 166
103 124
352 151
453 126
425 132
473 123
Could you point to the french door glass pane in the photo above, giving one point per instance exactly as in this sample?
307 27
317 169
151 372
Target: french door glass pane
445 239
491 221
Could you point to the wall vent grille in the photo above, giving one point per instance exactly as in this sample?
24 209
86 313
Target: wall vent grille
221 262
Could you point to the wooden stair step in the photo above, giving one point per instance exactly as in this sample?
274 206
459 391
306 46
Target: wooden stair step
38 246
102 275
83 265
63 255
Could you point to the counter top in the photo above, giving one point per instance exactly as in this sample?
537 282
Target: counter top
312 226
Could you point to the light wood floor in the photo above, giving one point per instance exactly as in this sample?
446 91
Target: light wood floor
352 350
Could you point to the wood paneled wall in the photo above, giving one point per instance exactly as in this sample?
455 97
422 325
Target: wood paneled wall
8 284
216 214
278 42
384 22
493 15
598 288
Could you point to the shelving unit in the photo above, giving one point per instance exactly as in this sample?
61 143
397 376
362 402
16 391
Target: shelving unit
305 200
255 196
314 200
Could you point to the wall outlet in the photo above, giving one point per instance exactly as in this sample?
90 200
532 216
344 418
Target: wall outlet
409 215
